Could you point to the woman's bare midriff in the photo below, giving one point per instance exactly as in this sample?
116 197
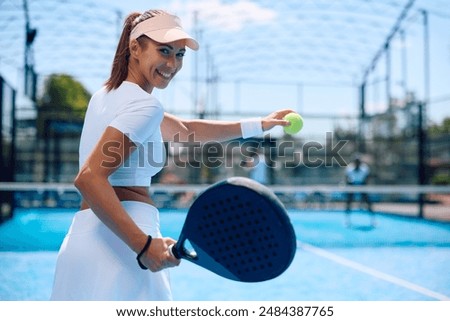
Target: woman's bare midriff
128 193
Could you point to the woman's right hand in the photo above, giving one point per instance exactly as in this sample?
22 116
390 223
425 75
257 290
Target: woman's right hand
276 118
158 256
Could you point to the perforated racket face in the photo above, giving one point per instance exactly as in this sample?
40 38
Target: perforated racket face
241 232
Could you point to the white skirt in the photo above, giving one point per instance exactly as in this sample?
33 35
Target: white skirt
94 264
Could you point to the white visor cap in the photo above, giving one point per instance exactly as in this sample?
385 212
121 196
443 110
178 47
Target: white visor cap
163 28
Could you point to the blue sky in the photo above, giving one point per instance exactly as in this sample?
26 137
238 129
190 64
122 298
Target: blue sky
306 55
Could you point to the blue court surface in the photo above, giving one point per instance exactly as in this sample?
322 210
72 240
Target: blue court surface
401 259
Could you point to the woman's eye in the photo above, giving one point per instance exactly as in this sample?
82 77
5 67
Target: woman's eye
181 54
164 51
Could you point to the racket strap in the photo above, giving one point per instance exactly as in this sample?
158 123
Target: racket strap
144 249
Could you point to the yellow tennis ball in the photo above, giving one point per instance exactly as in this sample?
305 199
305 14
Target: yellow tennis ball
296 123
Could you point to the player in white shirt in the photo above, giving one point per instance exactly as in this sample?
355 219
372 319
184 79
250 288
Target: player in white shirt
357 173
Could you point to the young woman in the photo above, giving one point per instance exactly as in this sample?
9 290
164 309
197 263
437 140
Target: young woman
114 239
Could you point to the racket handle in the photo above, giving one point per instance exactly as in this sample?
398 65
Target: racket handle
174 251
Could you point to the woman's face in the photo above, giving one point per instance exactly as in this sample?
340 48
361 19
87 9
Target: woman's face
158 63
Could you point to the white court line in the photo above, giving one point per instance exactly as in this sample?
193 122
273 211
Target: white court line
373 272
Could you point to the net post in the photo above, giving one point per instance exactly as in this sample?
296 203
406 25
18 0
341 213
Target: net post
7 148
421 157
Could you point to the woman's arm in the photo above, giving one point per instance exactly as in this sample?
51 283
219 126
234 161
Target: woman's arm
201 130
92 182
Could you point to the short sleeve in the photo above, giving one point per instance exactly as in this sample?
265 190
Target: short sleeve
139 119
366 169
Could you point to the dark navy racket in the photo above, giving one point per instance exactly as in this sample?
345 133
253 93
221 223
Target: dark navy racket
238 229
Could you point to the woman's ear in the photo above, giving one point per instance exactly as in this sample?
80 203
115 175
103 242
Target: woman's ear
134 48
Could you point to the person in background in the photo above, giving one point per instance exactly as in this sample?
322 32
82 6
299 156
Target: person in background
357 174
257 167
114 249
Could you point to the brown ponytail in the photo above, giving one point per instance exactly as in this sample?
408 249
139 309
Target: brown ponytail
119 71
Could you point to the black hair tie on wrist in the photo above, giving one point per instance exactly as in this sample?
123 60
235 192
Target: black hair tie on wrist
144 249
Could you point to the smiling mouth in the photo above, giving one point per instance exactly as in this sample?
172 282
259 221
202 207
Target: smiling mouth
164 74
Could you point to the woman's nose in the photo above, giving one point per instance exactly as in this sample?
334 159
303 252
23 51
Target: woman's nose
172 62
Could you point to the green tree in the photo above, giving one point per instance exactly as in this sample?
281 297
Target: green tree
64 99
439 129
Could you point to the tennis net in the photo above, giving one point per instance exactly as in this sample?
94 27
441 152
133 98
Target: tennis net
318 213
428 201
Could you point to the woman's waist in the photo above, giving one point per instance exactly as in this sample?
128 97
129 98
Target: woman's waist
128 193
133 193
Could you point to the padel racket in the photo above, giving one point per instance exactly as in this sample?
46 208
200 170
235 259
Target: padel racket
238 229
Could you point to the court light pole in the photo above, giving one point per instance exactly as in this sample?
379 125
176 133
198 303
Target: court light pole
29 75
422 128
384 50
362 118
196 109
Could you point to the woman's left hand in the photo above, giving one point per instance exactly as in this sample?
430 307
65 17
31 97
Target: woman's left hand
275 118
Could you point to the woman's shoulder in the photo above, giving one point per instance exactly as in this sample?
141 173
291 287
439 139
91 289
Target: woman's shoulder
136 95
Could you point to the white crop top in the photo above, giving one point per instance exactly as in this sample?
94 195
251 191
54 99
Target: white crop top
138 115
